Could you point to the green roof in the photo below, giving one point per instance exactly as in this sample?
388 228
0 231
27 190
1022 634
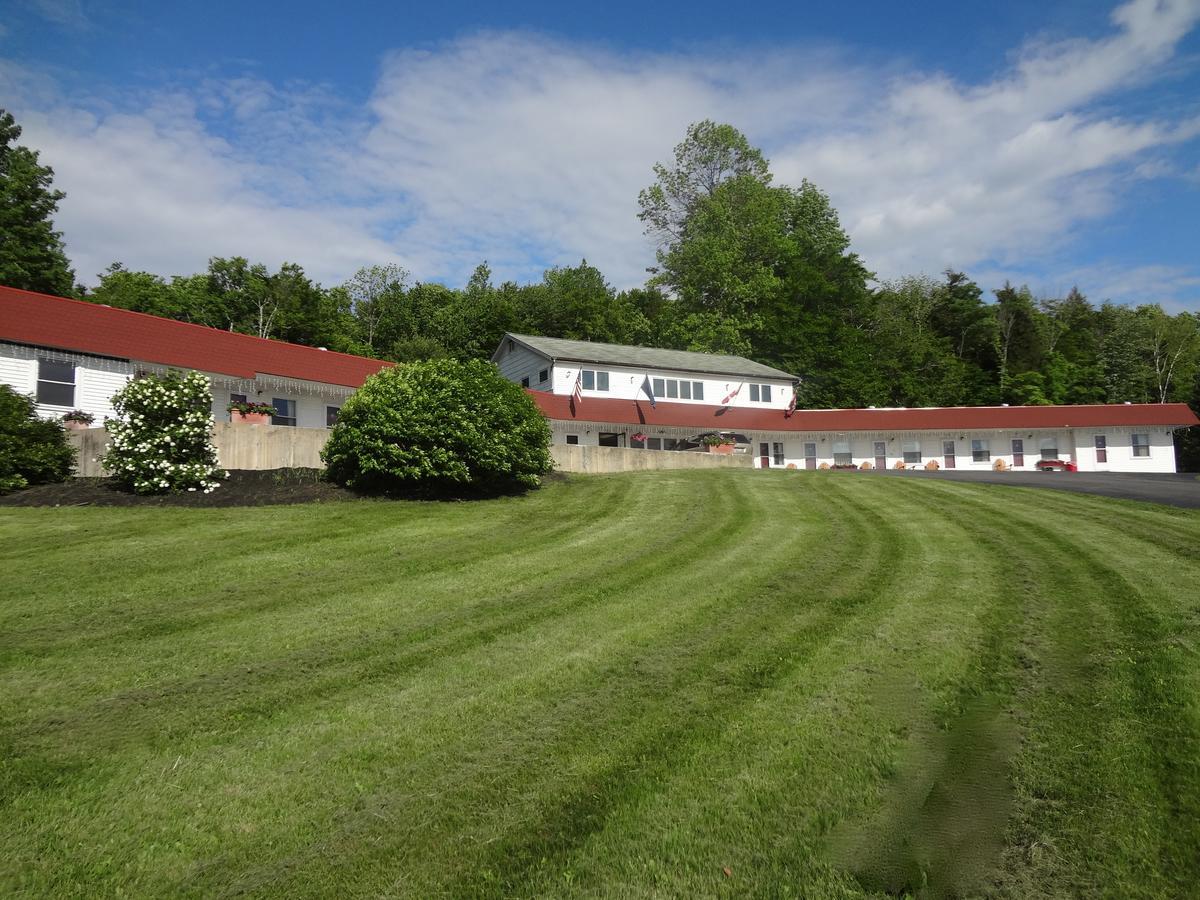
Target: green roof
647 357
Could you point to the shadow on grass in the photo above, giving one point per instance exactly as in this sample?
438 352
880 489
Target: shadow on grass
939 830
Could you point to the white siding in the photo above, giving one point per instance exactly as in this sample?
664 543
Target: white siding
19 373
1075 445
97 378
626 384
521 362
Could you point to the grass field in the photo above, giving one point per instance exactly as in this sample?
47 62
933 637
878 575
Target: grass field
667 684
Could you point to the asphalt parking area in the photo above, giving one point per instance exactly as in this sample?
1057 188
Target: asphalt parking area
1182 489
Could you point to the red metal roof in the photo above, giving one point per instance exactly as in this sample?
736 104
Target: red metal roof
46 321
951 418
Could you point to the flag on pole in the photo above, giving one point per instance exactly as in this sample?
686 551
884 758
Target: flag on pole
791 407
647 391
733 393
577 394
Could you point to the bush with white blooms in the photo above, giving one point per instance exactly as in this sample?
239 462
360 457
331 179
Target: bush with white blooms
161 439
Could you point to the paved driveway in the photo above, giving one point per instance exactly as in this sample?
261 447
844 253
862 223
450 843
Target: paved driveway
1175 490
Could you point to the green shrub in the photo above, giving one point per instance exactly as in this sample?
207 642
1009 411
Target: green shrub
439 426
32 450
161 439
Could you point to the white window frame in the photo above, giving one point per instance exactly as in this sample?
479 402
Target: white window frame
73 383
1140 450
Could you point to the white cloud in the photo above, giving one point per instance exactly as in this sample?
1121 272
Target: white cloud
529 151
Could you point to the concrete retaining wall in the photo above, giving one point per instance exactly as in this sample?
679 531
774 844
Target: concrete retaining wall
280 447
597 460
238 447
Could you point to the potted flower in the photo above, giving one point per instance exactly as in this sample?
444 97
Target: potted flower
717 443
245 413
77 420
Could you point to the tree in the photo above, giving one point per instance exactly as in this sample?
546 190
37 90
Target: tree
439 427
32 450
374 291
1174 342
709 155
31 251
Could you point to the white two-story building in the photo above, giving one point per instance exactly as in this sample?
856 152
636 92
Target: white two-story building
646 398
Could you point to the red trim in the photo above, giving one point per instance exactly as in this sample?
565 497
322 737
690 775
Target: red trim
953 418
81 327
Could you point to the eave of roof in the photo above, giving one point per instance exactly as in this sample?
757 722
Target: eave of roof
965 418
60 323
645 357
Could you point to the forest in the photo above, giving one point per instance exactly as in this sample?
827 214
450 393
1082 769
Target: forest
743 265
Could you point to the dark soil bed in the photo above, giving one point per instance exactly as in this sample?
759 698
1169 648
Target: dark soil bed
242 488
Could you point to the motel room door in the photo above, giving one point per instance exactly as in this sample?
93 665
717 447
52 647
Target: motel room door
948 454
764 455
880 454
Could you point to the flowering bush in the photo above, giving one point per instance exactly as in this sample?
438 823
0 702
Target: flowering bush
161 438
250 409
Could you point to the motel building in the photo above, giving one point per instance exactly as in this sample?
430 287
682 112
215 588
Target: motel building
643 398
70 354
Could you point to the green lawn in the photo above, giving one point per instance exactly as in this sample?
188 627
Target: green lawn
664 684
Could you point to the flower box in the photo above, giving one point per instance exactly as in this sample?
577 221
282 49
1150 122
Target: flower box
241 418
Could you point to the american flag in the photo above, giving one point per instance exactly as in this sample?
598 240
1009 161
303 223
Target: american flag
791 407
577 394
733 393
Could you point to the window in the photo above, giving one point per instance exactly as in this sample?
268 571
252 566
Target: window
672 389
1048 447
285 411
56 382
697 390
331 414
610 439
766 393
572 439
543 376
912 452
754 393
980 452
525 381
1101 448
236 398
685 390
660 388
654 444
777 452
511 345
594 381
841 453
636 444
1141 444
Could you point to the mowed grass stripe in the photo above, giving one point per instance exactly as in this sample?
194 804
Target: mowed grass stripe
624 704
747 669
1101 704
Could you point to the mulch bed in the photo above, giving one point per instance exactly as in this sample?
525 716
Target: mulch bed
242 488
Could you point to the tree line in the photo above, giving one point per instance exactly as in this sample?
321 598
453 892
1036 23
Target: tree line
743 265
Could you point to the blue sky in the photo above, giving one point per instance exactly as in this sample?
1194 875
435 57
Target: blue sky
1054 144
